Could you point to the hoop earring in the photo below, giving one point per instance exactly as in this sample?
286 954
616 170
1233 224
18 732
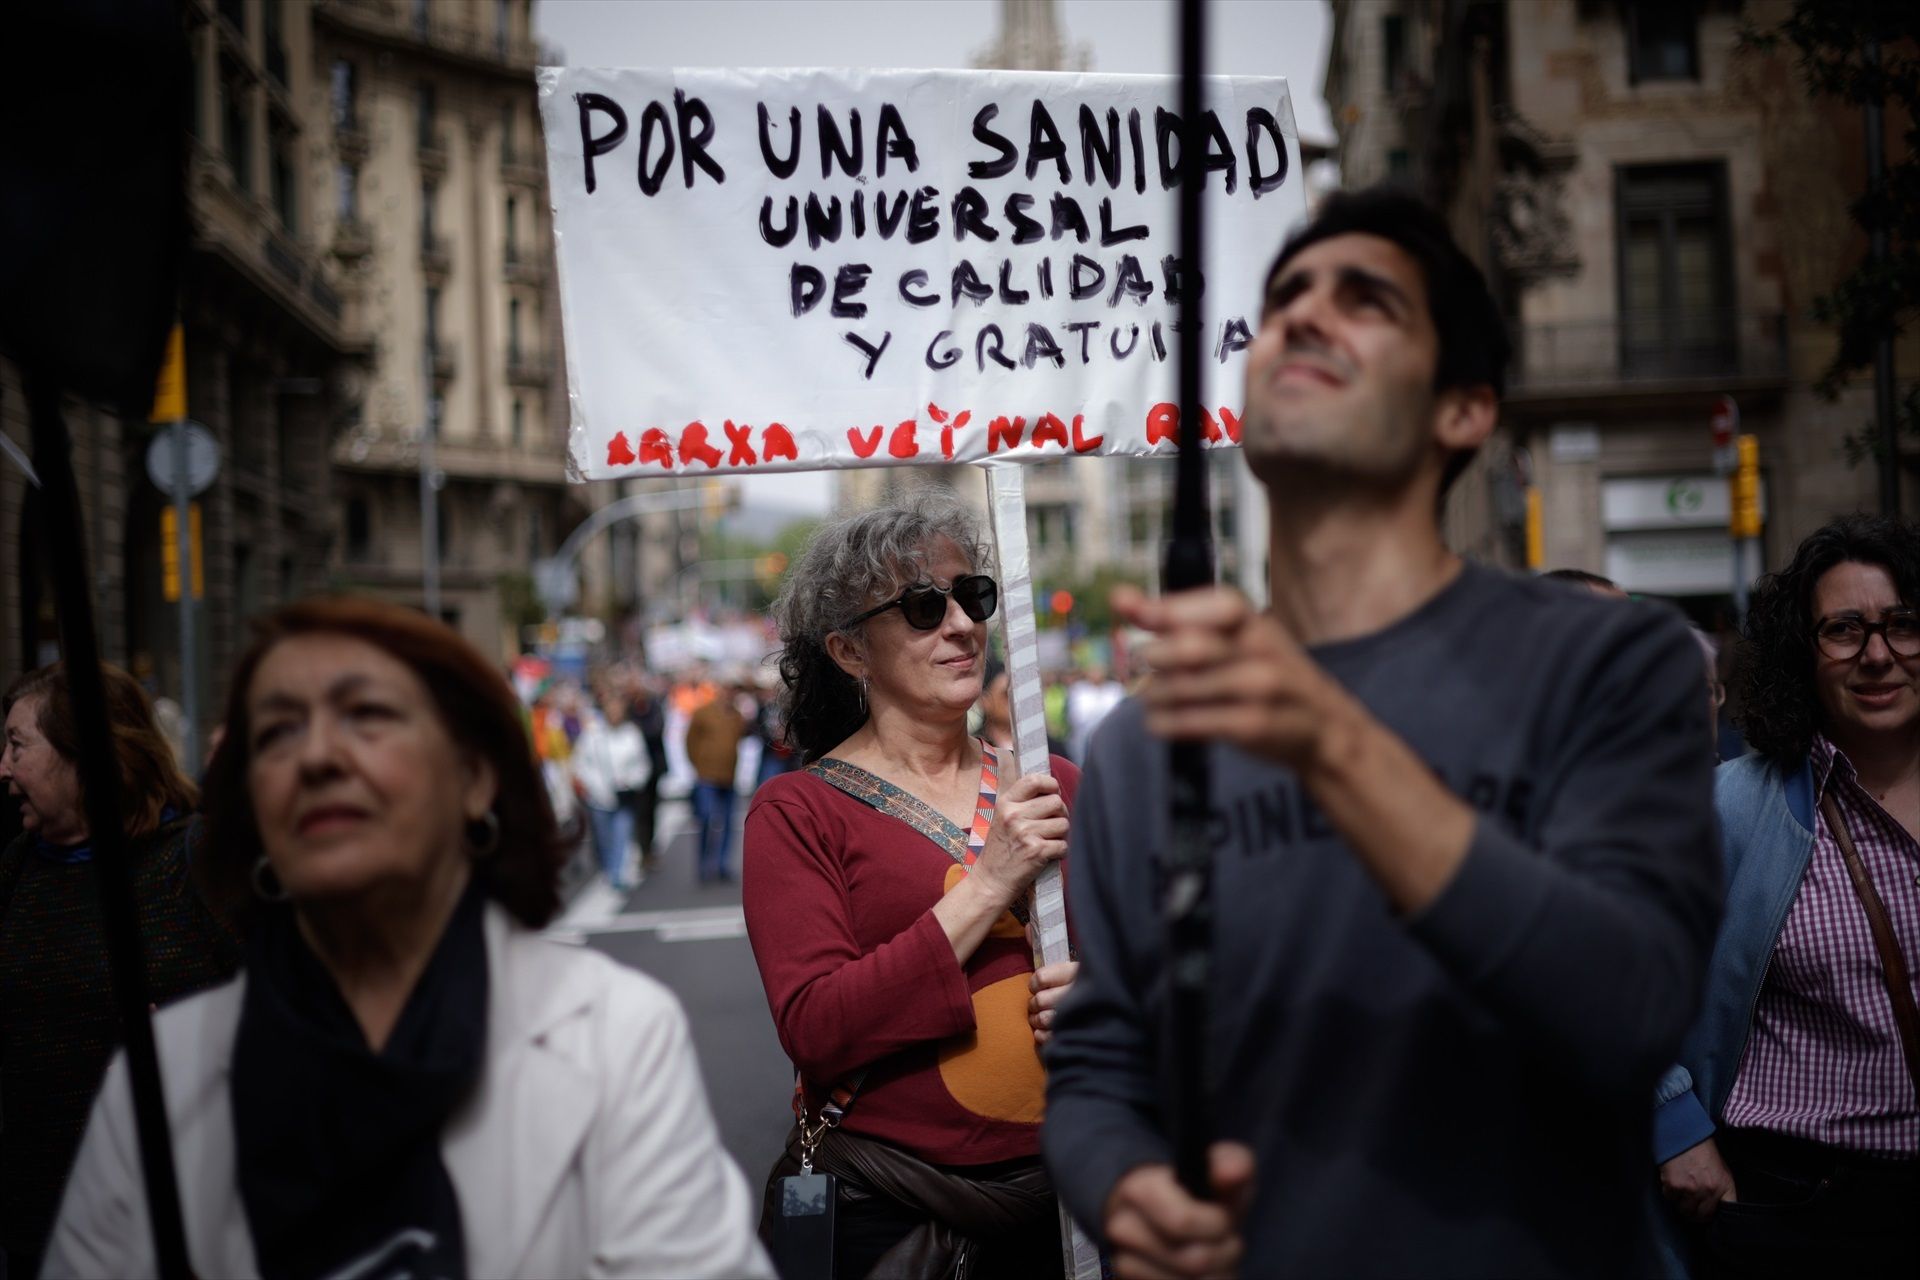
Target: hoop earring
488 840
863 695
262 876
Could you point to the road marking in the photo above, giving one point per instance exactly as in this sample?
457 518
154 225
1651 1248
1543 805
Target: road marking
705 930
689 924
599 901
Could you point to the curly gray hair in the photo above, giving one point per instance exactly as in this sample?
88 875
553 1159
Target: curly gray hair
851 565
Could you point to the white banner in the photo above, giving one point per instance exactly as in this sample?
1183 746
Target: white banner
798 270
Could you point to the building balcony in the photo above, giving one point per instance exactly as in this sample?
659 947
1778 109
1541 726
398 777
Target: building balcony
325 297
436 256
452 32
522 269
352 239
522 167
525 369
350 140
431 148
1649 352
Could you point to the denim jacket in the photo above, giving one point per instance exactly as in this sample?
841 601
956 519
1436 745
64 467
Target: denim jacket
1766 826
1766 840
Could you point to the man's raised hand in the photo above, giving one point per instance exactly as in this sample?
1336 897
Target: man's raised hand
1223 671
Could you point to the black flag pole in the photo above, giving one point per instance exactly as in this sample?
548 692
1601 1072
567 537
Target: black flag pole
1187 903
93 115
60 502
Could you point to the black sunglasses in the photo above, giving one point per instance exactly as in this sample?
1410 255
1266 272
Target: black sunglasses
924 604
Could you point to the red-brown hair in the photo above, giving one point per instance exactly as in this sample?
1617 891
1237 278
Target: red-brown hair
151 781
481 715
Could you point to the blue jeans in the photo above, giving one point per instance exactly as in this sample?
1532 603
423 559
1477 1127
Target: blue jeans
713 809
612 833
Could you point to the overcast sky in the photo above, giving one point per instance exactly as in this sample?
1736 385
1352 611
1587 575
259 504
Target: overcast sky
1246 37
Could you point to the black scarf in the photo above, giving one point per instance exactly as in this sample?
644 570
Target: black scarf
338 1147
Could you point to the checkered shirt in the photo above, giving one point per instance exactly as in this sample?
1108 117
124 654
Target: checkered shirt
1823 1056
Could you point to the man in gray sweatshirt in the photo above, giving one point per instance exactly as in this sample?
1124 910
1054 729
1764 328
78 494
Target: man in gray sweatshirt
1465 877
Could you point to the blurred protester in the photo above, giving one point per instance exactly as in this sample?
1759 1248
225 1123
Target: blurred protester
1790 1133
1088 703
886 889
409 1080
1716 691
996 714
1054 700
646 711
554 752
610 765
548 724
694 692
1465 883
996 708
777 755
713 748
58 1020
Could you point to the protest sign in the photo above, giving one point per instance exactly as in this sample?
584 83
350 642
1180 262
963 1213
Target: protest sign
803 270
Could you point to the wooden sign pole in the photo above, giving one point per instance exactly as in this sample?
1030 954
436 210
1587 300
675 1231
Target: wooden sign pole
1047 930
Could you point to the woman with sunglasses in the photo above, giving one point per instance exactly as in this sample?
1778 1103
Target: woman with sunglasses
885 885
1788 1138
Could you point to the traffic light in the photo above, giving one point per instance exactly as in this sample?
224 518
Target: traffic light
717 498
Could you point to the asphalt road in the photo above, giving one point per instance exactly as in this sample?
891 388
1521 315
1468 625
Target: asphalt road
690 936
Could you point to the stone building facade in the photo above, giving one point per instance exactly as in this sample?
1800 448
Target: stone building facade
270 358
431 166
369 212
1657 209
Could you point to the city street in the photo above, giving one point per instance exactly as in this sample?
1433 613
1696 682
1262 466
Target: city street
692 937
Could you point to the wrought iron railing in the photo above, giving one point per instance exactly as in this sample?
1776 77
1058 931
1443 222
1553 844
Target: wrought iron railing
1639 347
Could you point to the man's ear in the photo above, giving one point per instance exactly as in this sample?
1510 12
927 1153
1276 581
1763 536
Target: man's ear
847 654
1464 417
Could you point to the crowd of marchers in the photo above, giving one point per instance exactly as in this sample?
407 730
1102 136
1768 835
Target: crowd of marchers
1509 978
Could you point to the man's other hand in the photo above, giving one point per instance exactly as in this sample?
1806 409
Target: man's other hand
1697 1180
1156 1230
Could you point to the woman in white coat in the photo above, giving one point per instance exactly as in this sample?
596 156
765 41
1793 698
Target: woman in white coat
407 1080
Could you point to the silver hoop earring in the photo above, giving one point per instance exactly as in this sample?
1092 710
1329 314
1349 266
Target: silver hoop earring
863 695
488 838
263 876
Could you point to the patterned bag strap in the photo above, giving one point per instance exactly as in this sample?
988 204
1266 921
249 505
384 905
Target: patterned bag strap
983 808
840 1098
1893 965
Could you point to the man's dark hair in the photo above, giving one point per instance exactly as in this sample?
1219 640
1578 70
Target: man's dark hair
1474 348
1772 676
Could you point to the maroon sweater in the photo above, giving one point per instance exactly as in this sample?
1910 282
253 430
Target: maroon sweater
859 974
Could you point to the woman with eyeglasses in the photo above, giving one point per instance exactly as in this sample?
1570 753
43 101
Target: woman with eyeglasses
886 885
1788 1137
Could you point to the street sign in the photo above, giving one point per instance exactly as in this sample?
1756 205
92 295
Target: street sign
203 459
1725 422
170 391
554 581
